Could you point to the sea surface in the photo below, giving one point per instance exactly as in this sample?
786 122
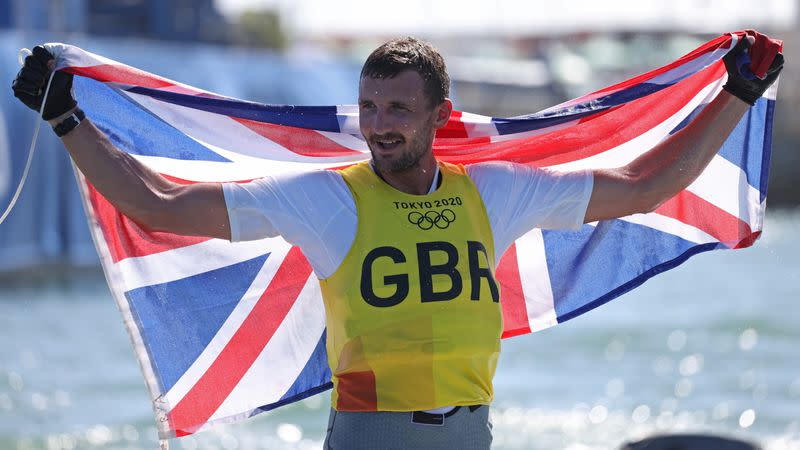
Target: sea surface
712 346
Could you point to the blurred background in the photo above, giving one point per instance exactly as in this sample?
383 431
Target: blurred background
712 346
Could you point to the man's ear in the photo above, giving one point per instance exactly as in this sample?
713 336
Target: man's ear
443 111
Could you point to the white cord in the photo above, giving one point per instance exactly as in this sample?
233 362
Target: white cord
30 152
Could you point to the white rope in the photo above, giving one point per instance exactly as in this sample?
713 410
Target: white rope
30 152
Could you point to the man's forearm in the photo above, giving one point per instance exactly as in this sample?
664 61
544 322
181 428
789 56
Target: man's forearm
196 209
671 166
133 188
675 163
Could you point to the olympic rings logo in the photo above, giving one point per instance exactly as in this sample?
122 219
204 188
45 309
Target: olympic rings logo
430 219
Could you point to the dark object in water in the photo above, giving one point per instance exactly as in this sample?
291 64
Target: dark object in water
689 442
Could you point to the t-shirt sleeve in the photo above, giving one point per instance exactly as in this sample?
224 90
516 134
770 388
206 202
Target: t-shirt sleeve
519 198
313 210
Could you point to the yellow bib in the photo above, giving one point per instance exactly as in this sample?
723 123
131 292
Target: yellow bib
413 314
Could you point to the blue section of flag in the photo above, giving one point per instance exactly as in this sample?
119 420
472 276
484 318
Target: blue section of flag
767 150
321 118
747 145
178 319
592 251
551 118
538 121
315 373
113 113
630 94
313 379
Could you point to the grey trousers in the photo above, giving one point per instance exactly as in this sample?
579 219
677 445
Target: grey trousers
463 429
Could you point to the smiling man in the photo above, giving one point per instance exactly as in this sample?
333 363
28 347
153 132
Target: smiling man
404 246
400 111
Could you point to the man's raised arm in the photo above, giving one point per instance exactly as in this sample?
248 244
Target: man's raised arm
136 190
671 166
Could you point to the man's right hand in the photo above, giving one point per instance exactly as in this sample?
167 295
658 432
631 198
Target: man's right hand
31 81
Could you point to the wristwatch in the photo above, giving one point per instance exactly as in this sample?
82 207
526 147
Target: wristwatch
72 121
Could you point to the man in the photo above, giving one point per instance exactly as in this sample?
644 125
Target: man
404 246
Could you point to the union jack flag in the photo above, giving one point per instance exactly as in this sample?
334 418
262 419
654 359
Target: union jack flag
223 331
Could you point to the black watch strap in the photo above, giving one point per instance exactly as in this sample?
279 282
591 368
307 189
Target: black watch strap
72 121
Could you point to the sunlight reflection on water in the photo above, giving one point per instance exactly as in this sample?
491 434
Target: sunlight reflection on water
711 346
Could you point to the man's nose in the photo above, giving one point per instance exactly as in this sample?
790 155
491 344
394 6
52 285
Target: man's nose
382 122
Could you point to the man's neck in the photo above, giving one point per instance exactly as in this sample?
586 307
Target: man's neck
414 181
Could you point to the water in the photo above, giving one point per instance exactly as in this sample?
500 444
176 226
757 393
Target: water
712 346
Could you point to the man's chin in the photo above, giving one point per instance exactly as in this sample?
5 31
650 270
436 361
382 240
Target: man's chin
386 165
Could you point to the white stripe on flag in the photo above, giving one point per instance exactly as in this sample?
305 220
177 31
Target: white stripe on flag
78 57
772 91
477 125
670 225
172 265
535 279
209 171
347 116
721 172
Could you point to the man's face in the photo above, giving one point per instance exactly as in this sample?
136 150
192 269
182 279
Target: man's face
397 120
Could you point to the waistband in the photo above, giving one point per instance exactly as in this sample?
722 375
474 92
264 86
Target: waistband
428 418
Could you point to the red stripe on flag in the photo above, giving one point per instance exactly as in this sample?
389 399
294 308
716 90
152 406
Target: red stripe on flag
121 74
699 213
442 143
454 128
214 386
298 140
589 137
127 239
749 240
512 298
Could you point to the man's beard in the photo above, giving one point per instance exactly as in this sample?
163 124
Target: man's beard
408 160
411 156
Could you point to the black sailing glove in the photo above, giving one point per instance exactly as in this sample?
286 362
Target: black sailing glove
741 81
29 86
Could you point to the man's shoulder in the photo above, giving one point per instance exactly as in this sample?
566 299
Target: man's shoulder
490 166
493 170
293 186
301 177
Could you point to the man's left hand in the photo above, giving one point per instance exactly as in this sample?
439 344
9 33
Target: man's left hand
742 83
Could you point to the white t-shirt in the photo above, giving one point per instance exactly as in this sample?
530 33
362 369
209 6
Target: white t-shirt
316 211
